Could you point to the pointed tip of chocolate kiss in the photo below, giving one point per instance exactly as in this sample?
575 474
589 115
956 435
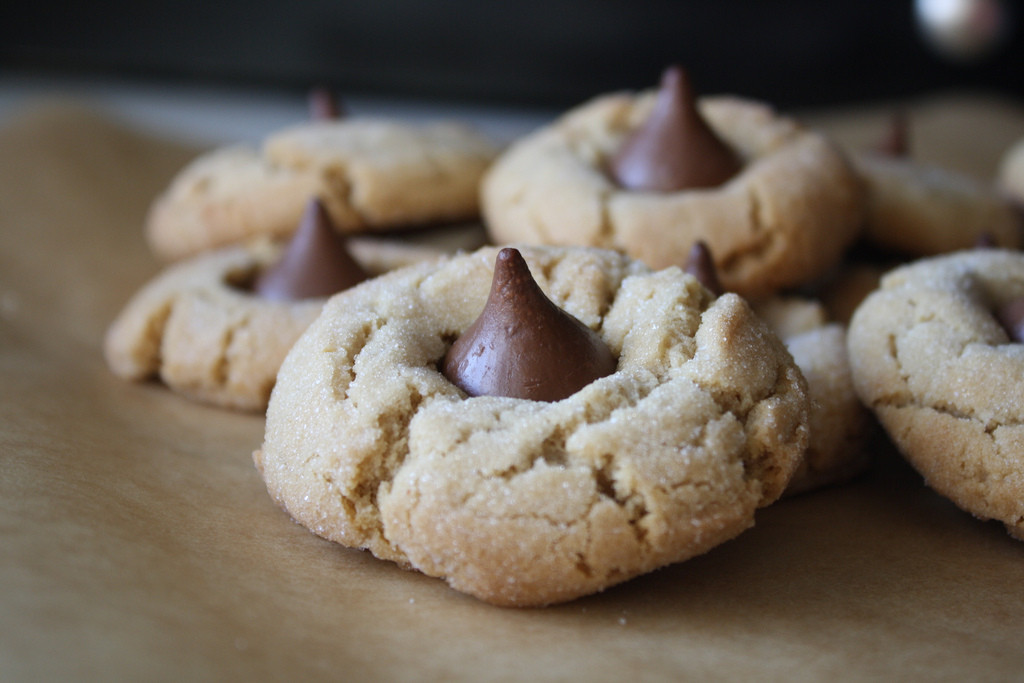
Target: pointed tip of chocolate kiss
896 141
674 149
677 79
1011 317
512 276
324 104
701 265
524 346
985 240
316 262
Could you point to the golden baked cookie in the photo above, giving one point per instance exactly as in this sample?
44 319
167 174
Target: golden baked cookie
200 328
931 358
923 210
839 423
371 174
782 220
531 502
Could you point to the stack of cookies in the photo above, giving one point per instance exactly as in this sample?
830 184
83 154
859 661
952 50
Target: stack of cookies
632 350
257 239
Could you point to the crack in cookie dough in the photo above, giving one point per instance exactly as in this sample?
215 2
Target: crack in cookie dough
523 502
932 361
340 195
221 370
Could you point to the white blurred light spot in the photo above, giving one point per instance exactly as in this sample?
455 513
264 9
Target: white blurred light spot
962 30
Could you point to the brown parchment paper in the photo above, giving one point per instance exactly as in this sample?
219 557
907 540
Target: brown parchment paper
137 541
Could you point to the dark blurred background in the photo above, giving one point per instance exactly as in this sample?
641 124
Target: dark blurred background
531 52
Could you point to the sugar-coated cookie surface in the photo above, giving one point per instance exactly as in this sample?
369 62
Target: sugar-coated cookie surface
371 174
932 360
784 219
925 210
198 329
522 502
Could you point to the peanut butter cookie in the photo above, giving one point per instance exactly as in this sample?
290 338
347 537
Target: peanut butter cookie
936 354
371 174
922 210
783 218
517 501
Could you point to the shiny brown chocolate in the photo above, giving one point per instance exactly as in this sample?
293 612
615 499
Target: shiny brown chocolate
674 149
316 262
324 105
700 265
524 346
1011 316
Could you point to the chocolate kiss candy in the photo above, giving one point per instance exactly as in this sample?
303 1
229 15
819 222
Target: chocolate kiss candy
700 265
315 264
324 105
1011 316
523 345
896 142
985 241
674 149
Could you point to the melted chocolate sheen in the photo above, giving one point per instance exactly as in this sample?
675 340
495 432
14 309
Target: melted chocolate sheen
674 149
1011 316
700 265
524 346
316 262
